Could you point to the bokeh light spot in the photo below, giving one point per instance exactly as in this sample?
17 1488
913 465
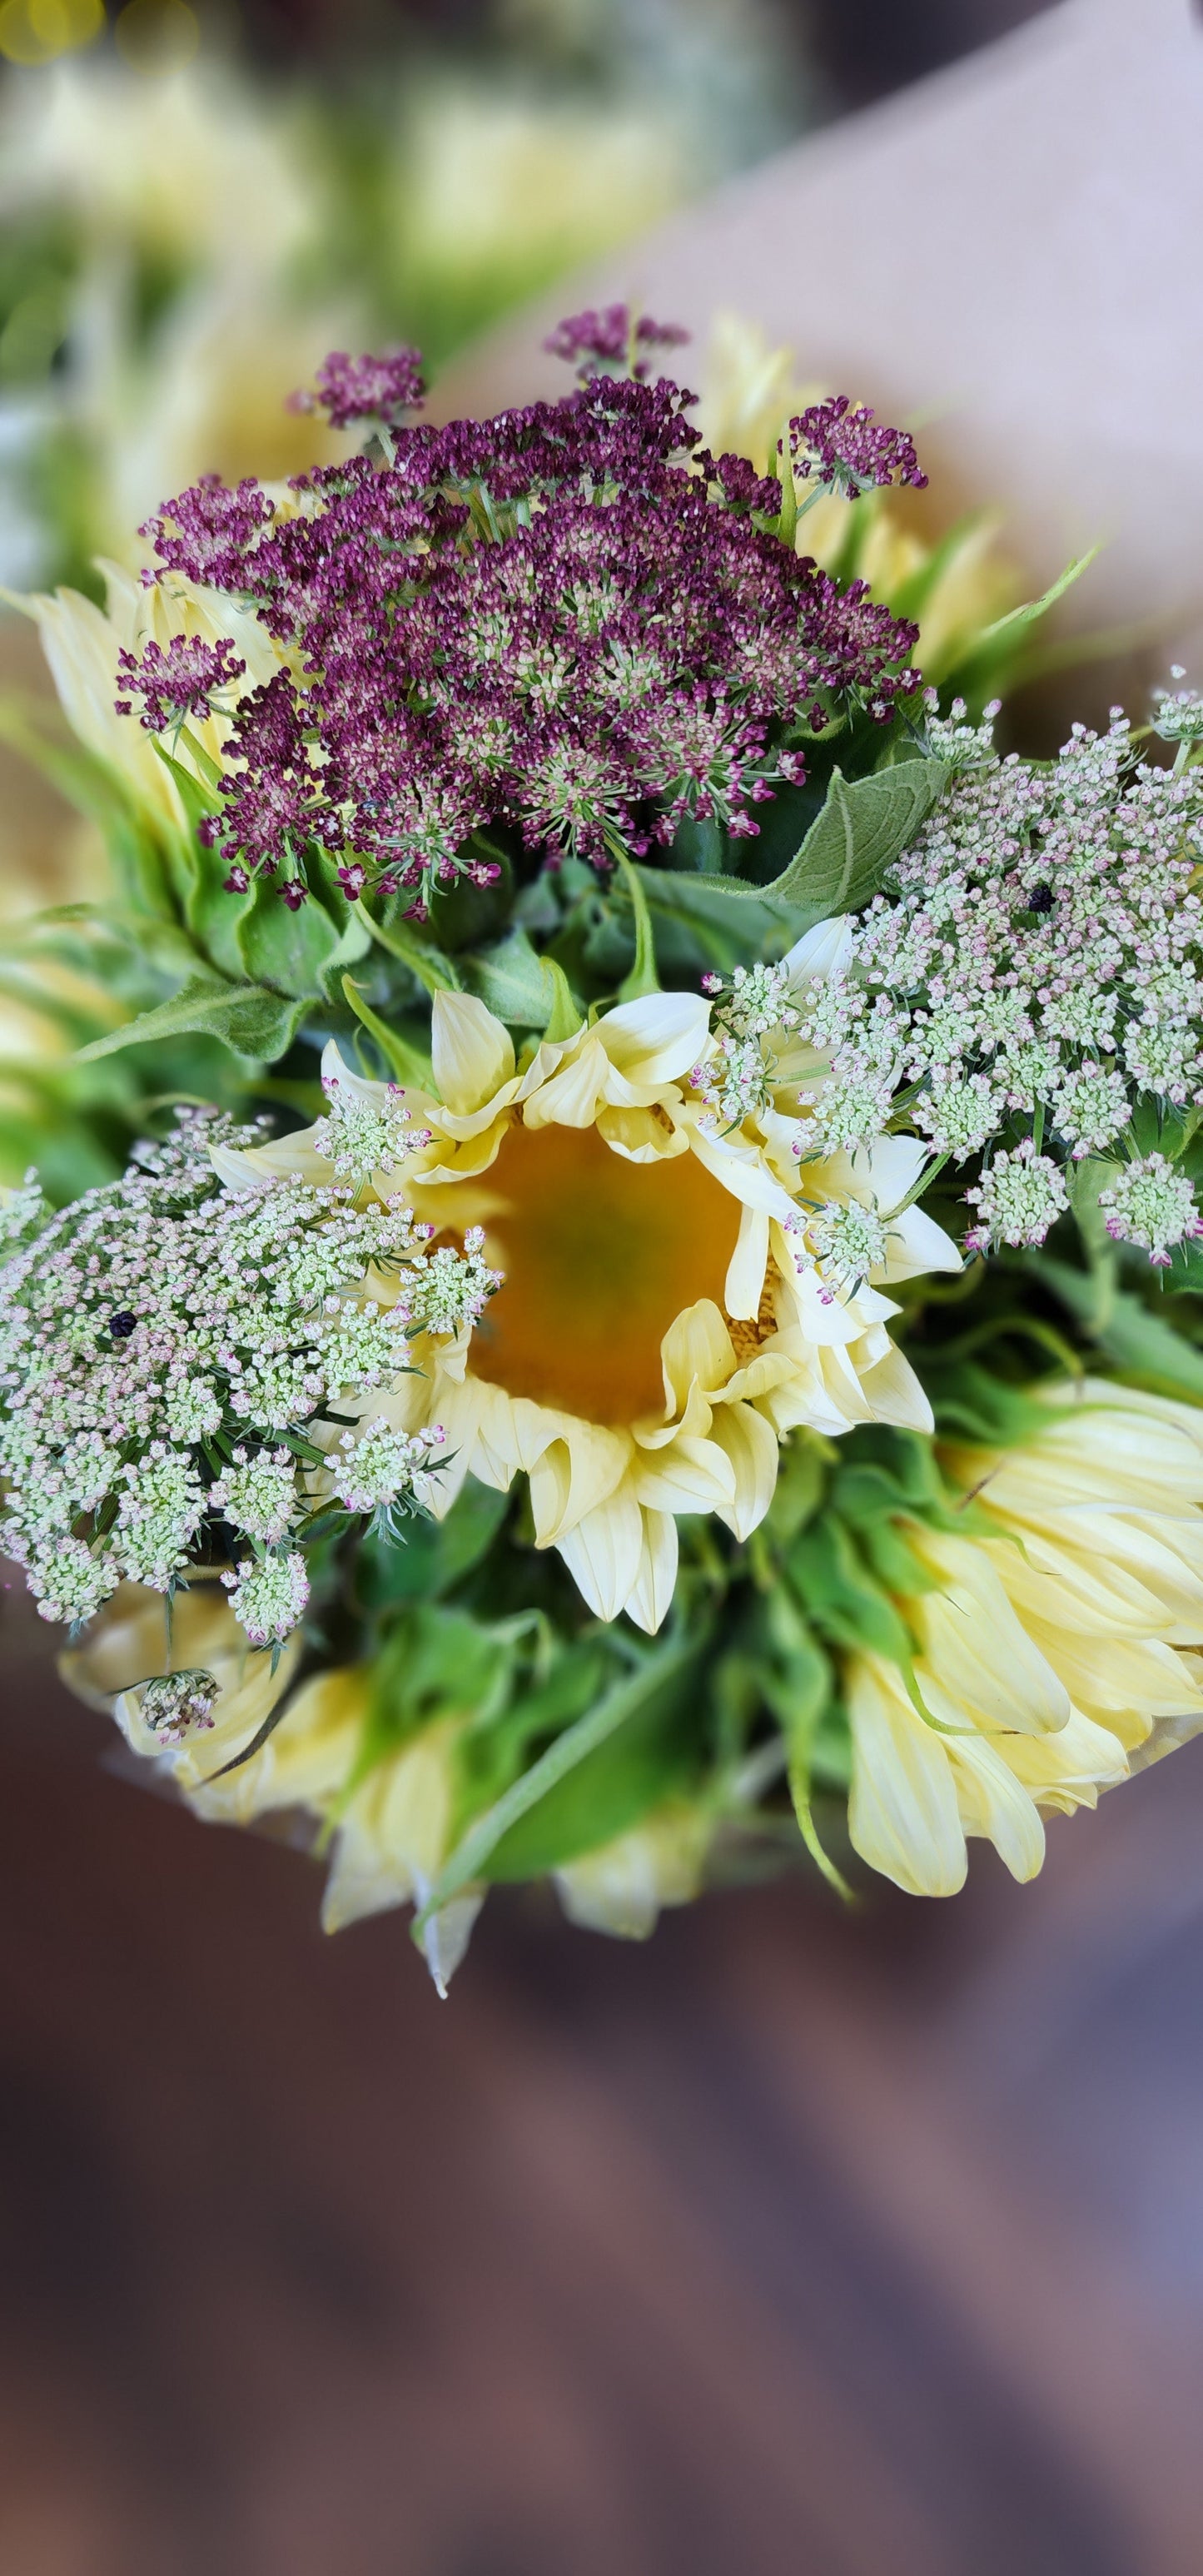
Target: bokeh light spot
36 31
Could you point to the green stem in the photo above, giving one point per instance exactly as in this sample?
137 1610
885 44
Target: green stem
428 963
929 1173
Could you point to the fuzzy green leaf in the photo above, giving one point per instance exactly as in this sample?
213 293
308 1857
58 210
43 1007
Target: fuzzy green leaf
864 825
253 1022
520 987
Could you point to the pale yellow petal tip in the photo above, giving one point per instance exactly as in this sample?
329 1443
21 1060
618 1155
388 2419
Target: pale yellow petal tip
622 1888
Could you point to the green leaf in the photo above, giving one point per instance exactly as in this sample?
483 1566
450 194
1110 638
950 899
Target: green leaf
799 1789
520 987
286 950
730 933
253 1022
864 824
564 1017
1141 1345
428 963
1012 628
404 1061
433 1555
843 1599
471 1856
781 464
199 802
152 940
491 1756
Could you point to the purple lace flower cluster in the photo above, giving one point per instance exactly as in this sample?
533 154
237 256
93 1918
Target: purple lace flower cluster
570 621
593 342
384 389
178 683
850 450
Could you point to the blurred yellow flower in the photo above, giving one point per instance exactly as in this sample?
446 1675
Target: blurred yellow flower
134 1638
82 642
495 191
750 390
1055 1651
388 1833
623 1887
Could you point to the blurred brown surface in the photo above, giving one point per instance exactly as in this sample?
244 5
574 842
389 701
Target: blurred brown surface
857 2247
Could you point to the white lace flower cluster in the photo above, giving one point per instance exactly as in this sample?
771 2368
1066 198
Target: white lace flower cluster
751 1018
1178 713
359 1138
1031 974
171 1352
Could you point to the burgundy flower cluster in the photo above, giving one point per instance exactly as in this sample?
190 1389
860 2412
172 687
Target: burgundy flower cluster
384 389
178 683
851 450
571 621
594 342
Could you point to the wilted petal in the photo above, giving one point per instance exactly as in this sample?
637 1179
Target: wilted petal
688 1475
621 1888
641 1135
754 1451
571 1096
893 1393
986 1663
1068 1769
744 1286
697 1348
993 1803
392 1840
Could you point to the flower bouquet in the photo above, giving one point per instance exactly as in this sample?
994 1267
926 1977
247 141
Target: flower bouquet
666 1335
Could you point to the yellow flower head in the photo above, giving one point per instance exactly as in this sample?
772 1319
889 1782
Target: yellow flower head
135 1638
750 391
664 1316
1051 1647
82 643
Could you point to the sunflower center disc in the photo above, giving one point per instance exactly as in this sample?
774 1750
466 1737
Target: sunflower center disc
599 1257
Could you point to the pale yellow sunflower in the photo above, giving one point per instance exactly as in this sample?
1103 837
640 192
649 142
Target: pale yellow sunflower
82 643
1056 1647
666 1315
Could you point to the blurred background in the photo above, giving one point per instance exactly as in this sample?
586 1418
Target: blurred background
799 2241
